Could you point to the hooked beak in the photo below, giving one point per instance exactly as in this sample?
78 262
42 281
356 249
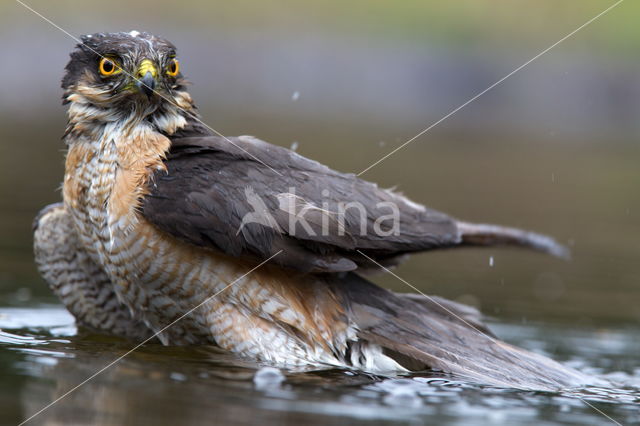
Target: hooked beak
147 84
146 76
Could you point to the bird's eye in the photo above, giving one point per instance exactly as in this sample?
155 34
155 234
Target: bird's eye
173 68
108 66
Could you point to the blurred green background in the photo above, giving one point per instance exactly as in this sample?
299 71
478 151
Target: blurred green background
554 148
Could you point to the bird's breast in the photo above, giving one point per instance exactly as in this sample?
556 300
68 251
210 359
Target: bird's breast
104 182
106 179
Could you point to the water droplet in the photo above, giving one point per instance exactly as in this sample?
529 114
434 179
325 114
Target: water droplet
268 378
179 377
23 294
401 392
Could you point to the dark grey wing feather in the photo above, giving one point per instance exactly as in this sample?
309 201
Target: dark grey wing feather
212 184
245 197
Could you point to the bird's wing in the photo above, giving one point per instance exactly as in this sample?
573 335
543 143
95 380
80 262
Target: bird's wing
246 197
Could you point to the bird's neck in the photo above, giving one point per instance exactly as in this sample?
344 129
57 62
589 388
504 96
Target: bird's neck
90 119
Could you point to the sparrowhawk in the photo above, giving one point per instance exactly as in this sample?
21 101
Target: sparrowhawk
159 213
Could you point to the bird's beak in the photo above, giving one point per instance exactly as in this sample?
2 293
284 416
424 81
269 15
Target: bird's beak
146 75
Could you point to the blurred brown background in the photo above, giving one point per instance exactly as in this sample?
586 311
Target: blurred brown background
554 148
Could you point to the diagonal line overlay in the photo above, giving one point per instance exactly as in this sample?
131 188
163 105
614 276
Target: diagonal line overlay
497 83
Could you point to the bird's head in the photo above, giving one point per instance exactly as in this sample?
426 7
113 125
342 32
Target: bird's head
123 74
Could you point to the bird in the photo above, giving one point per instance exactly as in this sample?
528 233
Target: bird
247 245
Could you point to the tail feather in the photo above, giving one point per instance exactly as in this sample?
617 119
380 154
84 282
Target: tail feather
476 234
419 336
450 310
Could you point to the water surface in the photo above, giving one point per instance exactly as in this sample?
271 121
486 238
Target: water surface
43 356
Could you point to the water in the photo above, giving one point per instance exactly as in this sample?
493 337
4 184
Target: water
43 357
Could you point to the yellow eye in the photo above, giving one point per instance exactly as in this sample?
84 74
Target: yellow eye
108 67
174 67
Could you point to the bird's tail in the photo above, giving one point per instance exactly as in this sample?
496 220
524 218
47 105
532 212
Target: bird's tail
424 332
477 234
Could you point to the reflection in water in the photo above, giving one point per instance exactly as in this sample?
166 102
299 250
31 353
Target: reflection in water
176 385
